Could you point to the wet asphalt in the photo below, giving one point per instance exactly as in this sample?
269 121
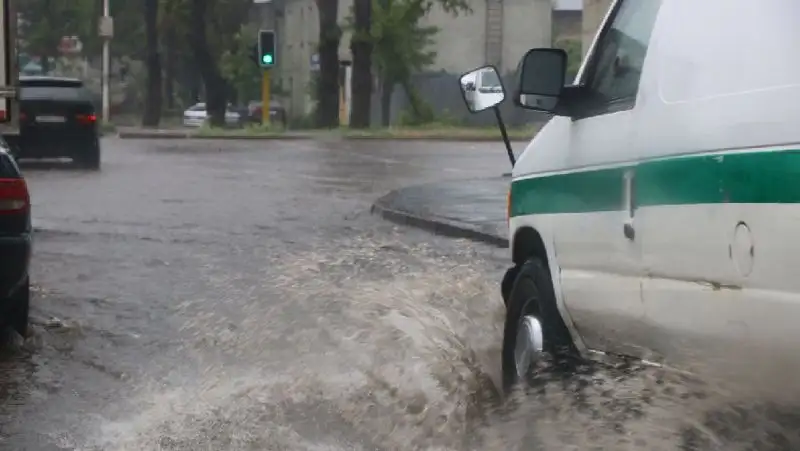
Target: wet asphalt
239 296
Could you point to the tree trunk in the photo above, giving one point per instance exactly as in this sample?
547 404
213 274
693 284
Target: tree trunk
169 70
387 87
361 47
152 104
44 61
214 83
327 114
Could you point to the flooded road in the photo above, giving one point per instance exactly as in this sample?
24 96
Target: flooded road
239 296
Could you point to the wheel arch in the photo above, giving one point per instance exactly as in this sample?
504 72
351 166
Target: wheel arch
527 242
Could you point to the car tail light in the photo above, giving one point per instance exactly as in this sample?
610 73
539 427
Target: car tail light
86 119
14 197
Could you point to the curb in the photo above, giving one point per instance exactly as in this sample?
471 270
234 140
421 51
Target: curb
300 137
189 135
436 226
451 138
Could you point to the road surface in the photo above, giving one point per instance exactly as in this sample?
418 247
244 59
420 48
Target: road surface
239 296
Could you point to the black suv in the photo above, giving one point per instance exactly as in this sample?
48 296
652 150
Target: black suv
15 244
58 119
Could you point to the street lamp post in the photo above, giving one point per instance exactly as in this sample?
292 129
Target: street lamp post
106 32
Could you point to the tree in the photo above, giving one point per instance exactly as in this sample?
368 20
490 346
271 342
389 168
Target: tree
174 29
153 98
239 65
327 86
361 48
400 47
364 41
45 22
216 88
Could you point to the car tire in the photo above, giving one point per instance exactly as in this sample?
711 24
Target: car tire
20 308
91 158
532 295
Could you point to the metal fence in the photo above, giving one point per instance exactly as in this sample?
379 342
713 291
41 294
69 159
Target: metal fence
442 92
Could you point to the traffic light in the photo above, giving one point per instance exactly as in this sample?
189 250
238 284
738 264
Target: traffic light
266 48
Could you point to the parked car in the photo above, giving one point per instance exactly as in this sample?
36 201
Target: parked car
277 113
15 244
196 116
57 119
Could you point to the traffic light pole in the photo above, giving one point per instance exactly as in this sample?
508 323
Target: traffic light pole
265 95
266 59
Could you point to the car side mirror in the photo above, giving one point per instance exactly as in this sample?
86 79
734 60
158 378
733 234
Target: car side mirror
482 89
541 79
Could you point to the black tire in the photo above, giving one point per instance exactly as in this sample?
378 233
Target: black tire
90 159
508 283
20 306
532 294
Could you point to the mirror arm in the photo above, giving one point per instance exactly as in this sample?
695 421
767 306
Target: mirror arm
570 98
504 132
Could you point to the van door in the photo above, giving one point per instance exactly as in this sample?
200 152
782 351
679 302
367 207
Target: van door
719 213
596 243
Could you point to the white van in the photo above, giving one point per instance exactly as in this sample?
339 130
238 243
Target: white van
656 214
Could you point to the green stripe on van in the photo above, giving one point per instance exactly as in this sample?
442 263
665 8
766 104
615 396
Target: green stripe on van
754 177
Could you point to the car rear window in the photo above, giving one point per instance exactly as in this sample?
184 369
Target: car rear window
8 169
53 93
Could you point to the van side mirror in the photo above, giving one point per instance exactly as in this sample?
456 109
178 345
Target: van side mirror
541 79
482 89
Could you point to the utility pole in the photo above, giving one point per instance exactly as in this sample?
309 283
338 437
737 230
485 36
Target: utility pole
106 31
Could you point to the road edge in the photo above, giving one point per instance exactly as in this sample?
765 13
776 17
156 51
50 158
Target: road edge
437 226
186 135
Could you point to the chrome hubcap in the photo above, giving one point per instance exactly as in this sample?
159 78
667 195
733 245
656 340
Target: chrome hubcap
529 345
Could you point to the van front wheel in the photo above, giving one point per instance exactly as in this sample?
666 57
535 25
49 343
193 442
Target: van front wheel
533 326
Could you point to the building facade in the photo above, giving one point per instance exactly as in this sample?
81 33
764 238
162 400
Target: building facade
496 32
593 13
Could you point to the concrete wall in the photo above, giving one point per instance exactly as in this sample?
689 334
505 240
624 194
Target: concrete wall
528 23
460 42
567 24
593 13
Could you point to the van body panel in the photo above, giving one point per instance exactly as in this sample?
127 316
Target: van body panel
705 169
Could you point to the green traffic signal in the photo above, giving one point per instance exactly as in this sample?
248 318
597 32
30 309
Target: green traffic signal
266 48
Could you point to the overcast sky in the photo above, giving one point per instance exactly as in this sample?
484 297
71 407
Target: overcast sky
569 4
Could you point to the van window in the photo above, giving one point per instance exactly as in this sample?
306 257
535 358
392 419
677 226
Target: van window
617 61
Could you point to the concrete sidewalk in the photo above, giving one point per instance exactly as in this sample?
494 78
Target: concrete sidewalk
472 209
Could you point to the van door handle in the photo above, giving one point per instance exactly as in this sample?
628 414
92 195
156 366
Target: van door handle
630 205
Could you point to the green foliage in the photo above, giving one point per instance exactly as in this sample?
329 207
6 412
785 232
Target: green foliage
400 44
419 113
45 22
237 66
